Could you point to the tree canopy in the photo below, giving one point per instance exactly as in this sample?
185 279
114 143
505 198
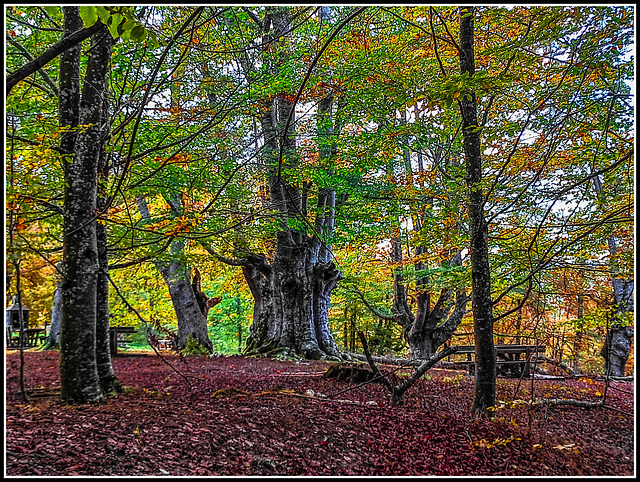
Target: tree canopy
284 150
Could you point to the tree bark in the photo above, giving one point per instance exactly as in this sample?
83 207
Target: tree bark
291 300
108 380
617 346
431 326
80 382
68 111
53 339
485 380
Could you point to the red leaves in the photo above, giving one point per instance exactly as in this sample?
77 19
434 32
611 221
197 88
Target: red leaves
275 430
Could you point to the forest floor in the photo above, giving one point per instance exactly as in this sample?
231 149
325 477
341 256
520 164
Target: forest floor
258 416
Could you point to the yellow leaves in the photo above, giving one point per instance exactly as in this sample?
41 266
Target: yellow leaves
173 227
482 443
567 447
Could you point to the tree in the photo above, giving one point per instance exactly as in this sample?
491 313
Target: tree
617 345
79 376
191 319
485 379
291 288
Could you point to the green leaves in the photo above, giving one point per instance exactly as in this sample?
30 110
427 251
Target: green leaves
120 21
89 15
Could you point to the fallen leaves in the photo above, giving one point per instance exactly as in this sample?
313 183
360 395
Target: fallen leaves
256 416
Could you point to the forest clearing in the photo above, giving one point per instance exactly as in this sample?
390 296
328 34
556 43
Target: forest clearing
258 197
260 416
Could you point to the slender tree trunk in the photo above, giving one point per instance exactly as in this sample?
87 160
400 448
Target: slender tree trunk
108 380
80 382
175 273
53 340
485 379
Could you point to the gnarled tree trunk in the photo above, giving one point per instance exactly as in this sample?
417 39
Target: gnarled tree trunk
617 346
291 298
430 327
291 292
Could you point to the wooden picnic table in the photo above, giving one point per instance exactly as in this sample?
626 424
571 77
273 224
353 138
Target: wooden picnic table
114 331
512 360
32 337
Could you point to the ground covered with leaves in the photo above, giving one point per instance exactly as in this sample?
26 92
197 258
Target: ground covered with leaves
258 416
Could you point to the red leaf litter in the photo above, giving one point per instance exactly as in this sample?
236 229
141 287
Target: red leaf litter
259 416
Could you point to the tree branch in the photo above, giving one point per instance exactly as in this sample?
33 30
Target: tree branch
50 54
372 308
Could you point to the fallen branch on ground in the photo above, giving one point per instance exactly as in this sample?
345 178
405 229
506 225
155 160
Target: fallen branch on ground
556 402
398 390
560 364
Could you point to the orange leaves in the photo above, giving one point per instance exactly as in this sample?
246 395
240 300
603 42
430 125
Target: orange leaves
173 227
21 224
183 226
175 159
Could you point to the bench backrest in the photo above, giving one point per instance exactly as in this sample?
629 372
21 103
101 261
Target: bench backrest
503 349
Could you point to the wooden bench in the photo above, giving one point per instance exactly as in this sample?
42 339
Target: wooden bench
115 339
512 360
165 344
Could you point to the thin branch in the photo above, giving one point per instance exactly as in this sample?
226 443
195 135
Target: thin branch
29 57
372 308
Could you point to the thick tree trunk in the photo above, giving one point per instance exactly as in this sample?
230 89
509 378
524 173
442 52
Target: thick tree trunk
108 380
292 292
430 327
485 380
292 300
68 111
80 382
191 320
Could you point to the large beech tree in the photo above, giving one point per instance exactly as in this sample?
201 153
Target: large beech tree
292 286
80 348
